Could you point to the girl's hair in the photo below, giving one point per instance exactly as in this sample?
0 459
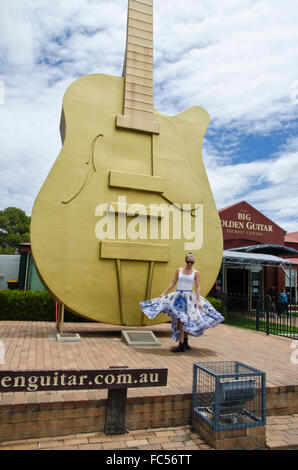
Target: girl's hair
189 255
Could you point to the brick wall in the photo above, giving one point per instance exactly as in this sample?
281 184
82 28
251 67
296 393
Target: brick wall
282 400
44 416
25 416
246 438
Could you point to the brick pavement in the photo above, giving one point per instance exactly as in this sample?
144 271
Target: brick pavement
32 345
174 438
282 434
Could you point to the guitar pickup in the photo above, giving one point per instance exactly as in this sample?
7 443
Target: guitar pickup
132 210
152 184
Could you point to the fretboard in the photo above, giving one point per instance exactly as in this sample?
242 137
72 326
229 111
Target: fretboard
138 110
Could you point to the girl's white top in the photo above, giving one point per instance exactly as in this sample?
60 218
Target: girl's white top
185 281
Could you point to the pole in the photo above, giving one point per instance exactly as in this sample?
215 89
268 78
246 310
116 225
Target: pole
258 313
223 286
61 320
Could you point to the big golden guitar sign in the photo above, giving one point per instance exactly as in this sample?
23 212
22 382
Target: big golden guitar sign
117 147
245 222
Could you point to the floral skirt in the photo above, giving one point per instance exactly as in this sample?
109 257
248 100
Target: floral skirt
183 305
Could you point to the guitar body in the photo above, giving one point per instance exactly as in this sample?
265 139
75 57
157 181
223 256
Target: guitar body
86 274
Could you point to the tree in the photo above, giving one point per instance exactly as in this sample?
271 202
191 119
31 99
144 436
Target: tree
14 229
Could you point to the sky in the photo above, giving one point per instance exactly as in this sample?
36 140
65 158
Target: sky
238 59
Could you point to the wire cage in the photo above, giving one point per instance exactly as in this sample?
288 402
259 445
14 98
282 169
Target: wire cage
229 395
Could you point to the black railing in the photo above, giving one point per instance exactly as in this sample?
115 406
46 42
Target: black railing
255 312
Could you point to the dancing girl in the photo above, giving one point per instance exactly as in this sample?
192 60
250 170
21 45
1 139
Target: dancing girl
190 313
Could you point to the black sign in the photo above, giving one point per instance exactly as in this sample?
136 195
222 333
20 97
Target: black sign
114 378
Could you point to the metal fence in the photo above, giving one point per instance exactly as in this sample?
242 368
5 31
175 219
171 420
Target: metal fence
257 313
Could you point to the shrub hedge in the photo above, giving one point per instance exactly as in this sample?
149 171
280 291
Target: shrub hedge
217 303
17 305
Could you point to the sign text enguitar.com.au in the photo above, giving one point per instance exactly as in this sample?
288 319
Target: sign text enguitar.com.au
32 381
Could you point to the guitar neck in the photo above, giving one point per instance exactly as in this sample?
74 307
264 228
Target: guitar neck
138 109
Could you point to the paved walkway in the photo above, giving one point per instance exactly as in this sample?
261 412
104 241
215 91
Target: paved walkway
32 345
155 439
282 433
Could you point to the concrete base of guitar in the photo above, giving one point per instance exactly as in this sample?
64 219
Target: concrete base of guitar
68 337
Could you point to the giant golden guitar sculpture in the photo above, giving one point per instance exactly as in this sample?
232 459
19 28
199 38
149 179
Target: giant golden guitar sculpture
116 147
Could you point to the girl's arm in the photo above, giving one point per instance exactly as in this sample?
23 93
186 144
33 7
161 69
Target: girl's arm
172 284
197 279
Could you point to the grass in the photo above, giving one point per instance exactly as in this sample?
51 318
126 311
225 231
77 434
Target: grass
251 324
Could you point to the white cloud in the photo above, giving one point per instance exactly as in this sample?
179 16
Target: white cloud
236 58
16 39
270 185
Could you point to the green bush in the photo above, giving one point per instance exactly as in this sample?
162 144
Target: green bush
217 303
17 305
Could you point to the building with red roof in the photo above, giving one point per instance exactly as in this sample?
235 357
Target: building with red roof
258 253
